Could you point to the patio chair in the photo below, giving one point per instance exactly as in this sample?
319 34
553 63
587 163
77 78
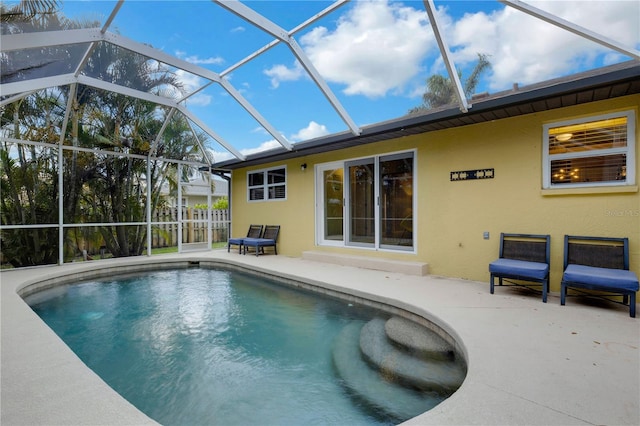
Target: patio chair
255 231
601 264
269 239
522 257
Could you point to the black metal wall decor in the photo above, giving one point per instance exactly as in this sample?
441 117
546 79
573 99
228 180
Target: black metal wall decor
472 174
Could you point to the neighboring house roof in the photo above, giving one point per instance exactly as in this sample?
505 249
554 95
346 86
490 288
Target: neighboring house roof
595 85
198 187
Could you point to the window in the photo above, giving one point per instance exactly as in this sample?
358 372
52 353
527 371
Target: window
596 151
269 184
367 202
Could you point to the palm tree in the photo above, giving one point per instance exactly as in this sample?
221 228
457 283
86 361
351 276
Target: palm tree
441 91
97 187
28 10
120 123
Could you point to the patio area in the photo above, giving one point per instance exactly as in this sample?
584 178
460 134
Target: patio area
528 362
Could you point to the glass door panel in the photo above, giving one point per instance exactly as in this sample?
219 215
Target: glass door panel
333 210
361 202
396 200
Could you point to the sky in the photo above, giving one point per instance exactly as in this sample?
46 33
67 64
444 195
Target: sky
375 55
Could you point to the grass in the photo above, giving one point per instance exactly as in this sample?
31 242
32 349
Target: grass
160 250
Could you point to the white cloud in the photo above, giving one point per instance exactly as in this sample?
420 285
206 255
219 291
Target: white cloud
264 146
526 50
378 47
313 130
190 83
238 29
375 48
280 73
219 156
195 59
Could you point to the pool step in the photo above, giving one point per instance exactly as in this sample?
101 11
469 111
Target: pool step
417 339
390 398
440 374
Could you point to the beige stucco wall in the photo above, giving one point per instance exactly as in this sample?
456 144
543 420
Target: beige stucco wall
452 216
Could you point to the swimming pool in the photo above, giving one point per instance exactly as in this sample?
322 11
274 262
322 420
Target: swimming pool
221 347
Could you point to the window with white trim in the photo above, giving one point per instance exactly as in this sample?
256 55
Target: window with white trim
593 151
267 184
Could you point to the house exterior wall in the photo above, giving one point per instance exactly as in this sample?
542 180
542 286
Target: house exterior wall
452 216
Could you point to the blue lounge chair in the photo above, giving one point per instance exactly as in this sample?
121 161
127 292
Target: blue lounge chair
522 257
269 239
599 263
255 231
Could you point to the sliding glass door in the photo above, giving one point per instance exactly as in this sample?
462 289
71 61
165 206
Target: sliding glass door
367 202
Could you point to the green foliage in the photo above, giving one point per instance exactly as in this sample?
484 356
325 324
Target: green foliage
441 91
221 204
97 188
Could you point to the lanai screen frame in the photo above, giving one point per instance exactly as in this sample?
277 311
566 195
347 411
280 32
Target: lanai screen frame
92 36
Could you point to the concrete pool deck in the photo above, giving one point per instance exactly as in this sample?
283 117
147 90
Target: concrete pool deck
528 362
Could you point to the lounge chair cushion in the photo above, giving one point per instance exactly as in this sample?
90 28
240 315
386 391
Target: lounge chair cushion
601 277
236 241
534 270
259 242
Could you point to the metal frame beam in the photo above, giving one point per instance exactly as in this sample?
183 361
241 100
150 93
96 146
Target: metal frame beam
251 16
446 55
571 27
94 35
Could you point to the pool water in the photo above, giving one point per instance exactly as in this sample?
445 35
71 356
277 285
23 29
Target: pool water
204 346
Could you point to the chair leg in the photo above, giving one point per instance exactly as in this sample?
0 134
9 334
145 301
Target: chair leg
632 305
491 284
563 292
545 287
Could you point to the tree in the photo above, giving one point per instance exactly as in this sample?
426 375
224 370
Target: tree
97 187
441 90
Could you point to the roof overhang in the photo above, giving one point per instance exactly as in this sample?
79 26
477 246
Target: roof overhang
604 83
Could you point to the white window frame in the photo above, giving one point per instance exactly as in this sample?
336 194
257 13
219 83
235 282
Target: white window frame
629 150
266 185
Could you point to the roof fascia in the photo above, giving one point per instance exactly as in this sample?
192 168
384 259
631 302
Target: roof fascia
629 71
576 29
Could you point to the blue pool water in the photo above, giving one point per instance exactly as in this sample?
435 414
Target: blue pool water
202 346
